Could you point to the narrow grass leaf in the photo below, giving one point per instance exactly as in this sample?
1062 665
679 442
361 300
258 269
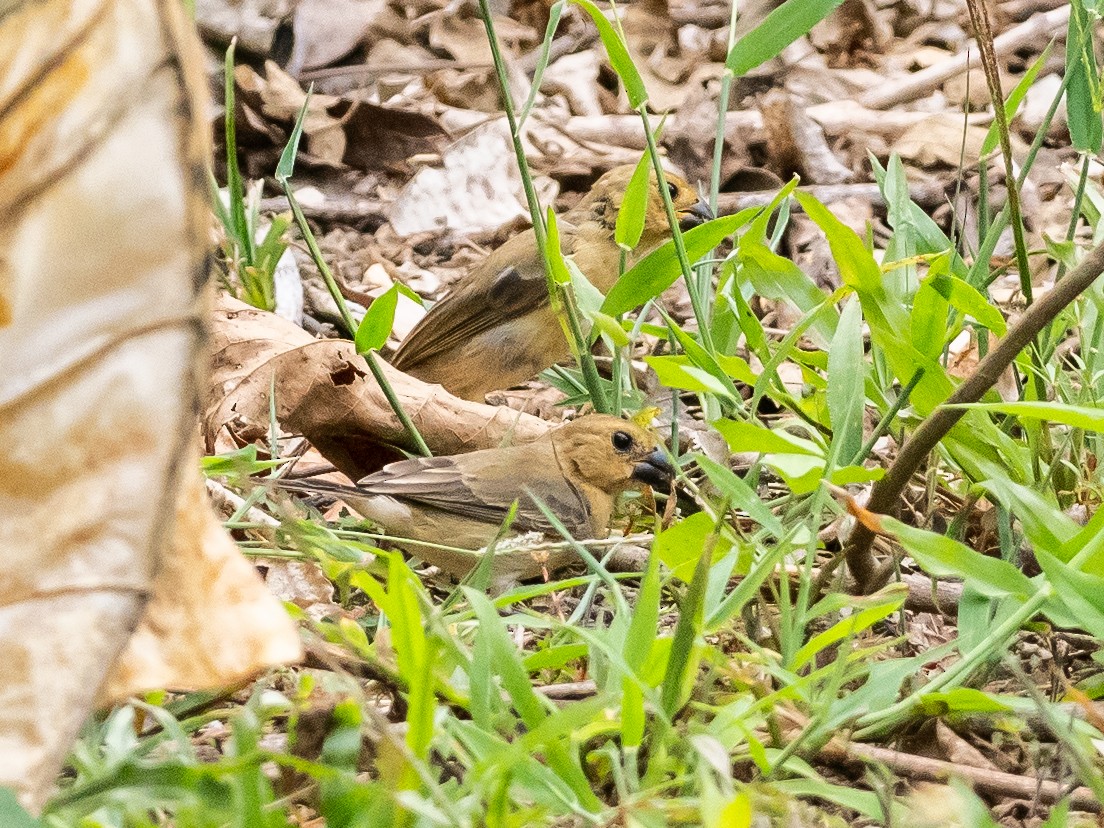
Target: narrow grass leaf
1083 86
961 700
378 320
1015 98
1075 416
846 628
659 269
630 216
234 184
617 53
554 14
846 381
739 494
780 28
286 166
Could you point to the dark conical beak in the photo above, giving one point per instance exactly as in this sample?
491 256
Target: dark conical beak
697 214
656 471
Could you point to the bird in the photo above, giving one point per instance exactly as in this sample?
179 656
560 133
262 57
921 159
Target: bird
461 501
497 328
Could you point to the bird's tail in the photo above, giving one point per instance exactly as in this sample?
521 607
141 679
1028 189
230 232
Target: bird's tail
315 487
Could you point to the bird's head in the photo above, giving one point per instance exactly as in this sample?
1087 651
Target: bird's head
606 196
612 454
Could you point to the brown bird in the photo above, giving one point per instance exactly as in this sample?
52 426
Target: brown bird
497 327
461 501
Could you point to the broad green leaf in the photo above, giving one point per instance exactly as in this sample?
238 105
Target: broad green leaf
1081 592
776 277
761 440
610 327
789 21
680 546
658 270
739 494
944 557
376 326
677 371
965 297
1043 522
618 54
634 207
846 380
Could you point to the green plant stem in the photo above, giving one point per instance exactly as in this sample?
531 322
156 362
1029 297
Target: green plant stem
320 262
372 358
564 293
886 421
676 233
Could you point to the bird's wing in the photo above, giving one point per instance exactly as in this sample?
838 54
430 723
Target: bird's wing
484 484
507 285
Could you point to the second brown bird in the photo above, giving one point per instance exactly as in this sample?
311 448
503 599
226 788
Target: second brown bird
460 501
497 327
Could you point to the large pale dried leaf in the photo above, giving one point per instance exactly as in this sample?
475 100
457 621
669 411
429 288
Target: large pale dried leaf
326 392
252 22
101 255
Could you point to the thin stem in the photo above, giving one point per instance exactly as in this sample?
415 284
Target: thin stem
676 233
396 406
323 268
555 291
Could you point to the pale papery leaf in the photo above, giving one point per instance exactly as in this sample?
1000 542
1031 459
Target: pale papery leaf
101 327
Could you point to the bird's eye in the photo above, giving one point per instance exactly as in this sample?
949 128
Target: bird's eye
672 190
622 441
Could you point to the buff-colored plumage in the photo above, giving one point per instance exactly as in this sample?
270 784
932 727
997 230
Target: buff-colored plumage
497 327
577 470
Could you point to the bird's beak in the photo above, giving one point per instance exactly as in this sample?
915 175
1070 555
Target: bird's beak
656 470
697 214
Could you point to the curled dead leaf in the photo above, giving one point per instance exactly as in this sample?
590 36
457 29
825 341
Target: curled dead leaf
326 392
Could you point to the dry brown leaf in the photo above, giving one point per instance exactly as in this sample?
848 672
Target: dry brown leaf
326 392
101 186
338 131
941 140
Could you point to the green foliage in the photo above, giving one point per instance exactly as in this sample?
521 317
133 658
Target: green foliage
699 667
253 264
